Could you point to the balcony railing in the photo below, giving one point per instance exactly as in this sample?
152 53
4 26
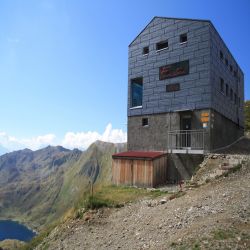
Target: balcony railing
187 141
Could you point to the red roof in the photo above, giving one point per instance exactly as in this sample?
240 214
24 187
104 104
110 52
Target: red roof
139 154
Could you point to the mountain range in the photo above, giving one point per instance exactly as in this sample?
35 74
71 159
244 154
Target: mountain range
3 150
37 187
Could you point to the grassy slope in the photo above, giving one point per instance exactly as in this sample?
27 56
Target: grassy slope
38 203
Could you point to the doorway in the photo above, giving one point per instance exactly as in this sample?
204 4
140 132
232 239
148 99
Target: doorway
186 122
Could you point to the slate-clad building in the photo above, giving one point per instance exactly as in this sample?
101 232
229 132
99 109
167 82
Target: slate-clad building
185 89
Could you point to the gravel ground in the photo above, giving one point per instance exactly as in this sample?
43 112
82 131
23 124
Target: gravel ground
214 215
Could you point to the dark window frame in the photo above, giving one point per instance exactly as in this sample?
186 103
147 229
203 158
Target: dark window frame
231 94
226 61
222 83
221 55
144 122
227 89
136 88
183 38
145 50
162 45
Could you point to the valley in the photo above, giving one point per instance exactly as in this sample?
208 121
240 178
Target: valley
38 187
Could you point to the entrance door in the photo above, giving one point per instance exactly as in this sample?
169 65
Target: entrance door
186 127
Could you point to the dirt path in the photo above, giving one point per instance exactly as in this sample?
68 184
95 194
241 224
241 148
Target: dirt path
213 216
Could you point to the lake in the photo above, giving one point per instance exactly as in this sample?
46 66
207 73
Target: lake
14 230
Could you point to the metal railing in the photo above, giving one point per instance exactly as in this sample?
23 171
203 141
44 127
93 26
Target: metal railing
187 139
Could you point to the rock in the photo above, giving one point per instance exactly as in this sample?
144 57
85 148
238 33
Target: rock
163 201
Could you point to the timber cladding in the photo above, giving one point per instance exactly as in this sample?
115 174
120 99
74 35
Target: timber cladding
140 172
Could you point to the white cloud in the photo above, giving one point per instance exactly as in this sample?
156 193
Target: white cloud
13 143
70 140
82 140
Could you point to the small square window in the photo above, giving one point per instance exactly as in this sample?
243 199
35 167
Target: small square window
226 61
235 98
221 55
183 38
144 122
162 45
226 89
222 85
145 50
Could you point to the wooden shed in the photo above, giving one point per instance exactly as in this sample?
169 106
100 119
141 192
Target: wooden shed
138 168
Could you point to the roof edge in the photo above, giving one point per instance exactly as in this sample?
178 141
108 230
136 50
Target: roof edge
172 18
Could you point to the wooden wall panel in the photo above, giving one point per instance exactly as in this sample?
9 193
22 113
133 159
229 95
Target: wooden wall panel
139 172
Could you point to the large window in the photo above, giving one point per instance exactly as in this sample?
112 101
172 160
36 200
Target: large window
136 92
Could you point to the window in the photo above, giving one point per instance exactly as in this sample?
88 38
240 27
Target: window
144 122
231 68
235 98
222 85
226 61
231 94
239 101
145 50
162 45
183 38
235 73
226 89
221 55
136 92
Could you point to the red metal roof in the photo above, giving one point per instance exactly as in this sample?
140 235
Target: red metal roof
139 154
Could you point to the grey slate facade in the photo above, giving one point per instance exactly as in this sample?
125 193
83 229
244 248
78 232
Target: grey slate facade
199 89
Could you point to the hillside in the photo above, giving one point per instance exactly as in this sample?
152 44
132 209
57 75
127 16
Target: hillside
37 187
214 215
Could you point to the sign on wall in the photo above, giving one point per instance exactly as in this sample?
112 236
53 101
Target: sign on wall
172 87
173 70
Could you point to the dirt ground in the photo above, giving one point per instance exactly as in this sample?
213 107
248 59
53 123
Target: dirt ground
214 215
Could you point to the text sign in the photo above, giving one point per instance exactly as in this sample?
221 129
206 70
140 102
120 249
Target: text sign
172 87
204 114
204 119
173 70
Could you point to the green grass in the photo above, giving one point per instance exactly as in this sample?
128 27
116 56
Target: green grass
221 234
123 194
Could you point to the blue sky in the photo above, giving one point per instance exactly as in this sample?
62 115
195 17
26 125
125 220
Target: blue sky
63 63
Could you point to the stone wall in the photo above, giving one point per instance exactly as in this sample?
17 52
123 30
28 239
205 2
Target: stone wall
220 69
195 89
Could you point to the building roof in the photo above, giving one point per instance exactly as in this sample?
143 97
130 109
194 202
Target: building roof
173 18
139 154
